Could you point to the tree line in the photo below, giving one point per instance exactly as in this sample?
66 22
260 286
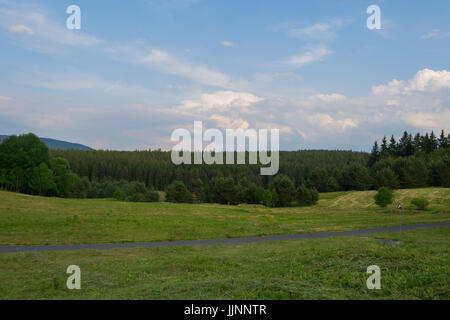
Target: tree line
26 165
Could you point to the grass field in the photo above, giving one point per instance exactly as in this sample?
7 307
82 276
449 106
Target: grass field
333 268
38 220
328 268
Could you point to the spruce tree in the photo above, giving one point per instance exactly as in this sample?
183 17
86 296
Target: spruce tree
392 146
384 147
374 154
443 143
433 142
417 142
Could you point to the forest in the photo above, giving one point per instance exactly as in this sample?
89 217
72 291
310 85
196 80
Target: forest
26 165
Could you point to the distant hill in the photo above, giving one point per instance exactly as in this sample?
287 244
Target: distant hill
57 144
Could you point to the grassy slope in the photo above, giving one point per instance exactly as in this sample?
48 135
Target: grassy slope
36 220
333 268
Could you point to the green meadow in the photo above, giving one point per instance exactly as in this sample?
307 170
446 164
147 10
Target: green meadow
28 219
328 268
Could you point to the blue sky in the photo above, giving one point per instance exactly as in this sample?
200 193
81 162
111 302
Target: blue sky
137 70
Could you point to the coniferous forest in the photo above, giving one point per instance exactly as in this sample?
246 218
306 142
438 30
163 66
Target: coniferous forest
26 165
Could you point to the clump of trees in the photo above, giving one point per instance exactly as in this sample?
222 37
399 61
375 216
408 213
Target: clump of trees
282 193
133 191
409 145
25 166
412 162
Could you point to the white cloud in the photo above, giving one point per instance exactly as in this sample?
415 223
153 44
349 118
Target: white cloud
329 97
308 57
83 81
327 122
324 31
219 101
225 122
318 37
429 120
434 34
226 43
392 103
425 80
167 63
20 28
394 87
276 76
321 31
429 80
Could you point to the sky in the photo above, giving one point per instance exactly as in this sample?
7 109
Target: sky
137 70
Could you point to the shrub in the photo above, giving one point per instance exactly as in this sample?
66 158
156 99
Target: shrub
177 192
285 190
384 197
306 197
269 198
420 203
118 194
152 196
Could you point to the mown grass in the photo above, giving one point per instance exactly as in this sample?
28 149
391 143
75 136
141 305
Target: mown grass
328 268
28 219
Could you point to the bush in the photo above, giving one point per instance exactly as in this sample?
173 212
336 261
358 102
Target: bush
384 197
306 197
177 192
270 198
285 190
420 203
118 194
152 196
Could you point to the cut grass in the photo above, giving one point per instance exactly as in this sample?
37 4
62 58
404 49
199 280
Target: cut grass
332 268
29 220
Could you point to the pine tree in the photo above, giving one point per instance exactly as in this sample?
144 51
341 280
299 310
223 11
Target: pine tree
433 141
427 145
405 145
443 142
417 142
393 147
374 154
384 147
